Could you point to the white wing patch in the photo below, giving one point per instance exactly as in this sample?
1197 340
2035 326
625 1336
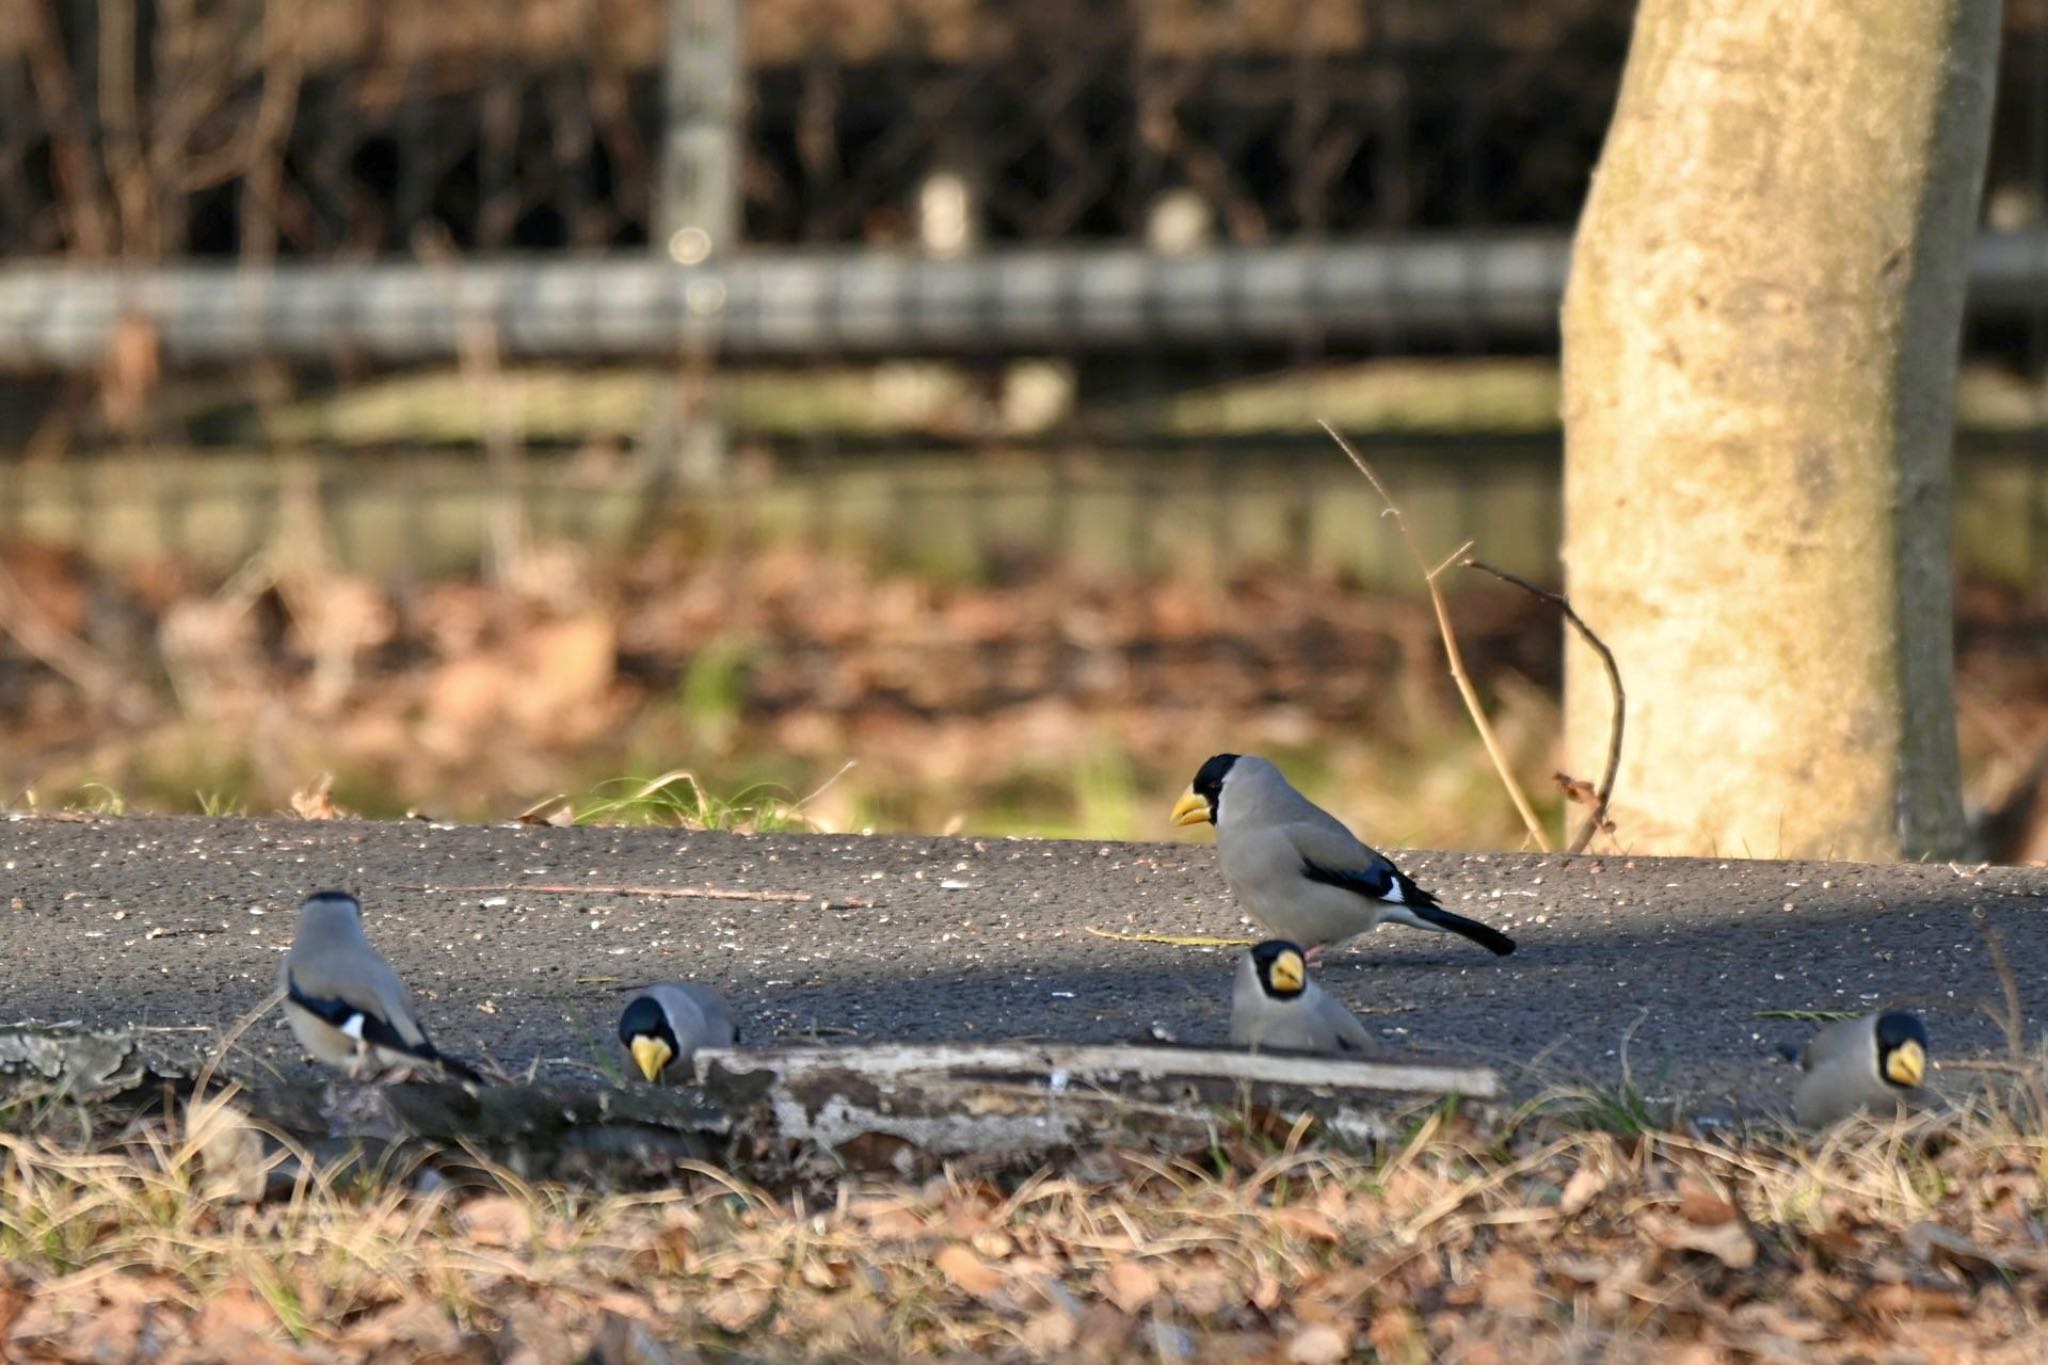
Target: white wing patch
353 1027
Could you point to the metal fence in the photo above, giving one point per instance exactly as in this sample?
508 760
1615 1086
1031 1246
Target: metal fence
957 279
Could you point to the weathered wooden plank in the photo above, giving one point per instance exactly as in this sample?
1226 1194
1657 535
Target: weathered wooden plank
1065 1064
890 1106
893 1104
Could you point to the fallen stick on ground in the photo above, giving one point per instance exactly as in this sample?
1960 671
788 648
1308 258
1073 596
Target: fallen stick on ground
1178 940
712 893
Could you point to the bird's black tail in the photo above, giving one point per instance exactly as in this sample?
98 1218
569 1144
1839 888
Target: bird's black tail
1433 916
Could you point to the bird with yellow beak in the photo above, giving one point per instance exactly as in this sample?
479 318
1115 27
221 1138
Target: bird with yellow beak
664 1025
1296 869
1275 1005
1864 1065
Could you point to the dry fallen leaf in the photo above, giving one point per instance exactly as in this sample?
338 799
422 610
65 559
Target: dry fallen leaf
821 1274
1397 1338
737 1307
1131 1285
316 801
551 811
1728 1243
888 1218
1906 1299
1698 1353
967 1272
1582 1189
1576 789
496 1220
416 1324
1508 1283
1321 1344
1702 1204
1050 1331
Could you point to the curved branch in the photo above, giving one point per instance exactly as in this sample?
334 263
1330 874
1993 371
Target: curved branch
1598 818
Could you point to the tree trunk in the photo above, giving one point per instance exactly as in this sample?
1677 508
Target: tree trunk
1759 357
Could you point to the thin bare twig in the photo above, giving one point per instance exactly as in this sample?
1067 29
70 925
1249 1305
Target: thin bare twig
63 653
2013 1019
710 893
1451 650
1597 819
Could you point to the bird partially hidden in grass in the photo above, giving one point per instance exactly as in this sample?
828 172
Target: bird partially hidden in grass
664 1025
1299 871
346 1005
1275 1005
1866 1065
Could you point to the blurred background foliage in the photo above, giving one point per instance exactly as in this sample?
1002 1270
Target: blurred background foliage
1019 590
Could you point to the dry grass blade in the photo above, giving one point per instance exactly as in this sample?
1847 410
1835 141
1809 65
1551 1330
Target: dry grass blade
714 893
2012 1019
1451 650
1596 820
1177 940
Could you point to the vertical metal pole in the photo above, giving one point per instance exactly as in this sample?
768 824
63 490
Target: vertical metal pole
697 210
697 206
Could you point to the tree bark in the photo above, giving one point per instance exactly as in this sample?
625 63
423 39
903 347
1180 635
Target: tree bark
1759 357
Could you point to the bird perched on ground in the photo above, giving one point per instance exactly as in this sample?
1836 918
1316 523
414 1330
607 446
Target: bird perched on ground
1276 1005
345 1004
1296 868
1854 1065
664 1025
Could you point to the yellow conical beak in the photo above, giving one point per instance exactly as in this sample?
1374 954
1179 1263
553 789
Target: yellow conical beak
1907 1064
1289 972
651 1055
1190 809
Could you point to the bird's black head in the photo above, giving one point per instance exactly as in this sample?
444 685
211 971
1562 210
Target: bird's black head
1208 783
1901 1048
1198 804
647 1034
331 901
1283 971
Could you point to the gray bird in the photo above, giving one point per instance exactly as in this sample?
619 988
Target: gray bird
1275 1005
665 1024
345 1004
1298 870
1854 1065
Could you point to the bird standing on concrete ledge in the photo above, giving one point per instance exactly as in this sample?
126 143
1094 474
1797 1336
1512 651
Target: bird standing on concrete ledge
1296 868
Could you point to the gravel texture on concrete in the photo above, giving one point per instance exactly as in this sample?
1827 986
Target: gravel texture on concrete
1665 965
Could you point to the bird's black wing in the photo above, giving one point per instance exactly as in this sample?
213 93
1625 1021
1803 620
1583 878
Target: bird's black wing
1380 880
1377 880
376 1031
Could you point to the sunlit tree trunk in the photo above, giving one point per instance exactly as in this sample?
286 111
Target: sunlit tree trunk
1759 353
